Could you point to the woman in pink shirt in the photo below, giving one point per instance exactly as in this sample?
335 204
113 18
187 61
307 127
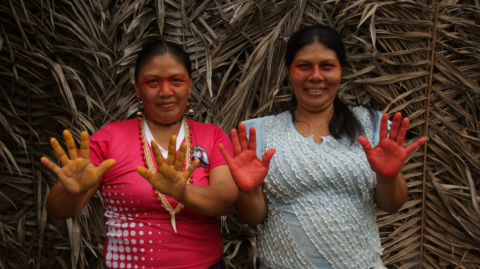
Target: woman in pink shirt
174 223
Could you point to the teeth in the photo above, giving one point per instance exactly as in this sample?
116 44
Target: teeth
315 90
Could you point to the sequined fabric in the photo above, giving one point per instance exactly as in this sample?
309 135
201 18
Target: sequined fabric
320 199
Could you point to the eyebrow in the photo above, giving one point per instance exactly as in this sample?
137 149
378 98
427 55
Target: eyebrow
157 76
324 61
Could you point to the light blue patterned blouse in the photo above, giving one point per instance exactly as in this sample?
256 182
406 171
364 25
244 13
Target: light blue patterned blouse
320 198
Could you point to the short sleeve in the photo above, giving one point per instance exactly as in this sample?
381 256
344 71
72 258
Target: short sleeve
216 157
99 143
260 126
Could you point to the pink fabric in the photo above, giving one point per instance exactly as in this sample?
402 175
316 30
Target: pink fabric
139 232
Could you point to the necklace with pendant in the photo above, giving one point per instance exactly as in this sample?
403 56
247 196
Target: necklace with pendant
147 160
305 134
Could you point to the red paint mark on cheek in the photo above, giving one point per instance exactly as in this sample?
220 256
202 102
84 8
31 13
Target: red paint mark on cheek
150 83
302 73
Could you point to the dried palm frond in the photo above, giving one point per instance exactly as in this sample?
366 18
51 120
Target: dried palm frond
69 64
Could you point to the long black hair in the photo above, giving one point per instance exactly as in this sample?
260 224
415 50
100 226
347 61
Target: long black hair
343 121
162 47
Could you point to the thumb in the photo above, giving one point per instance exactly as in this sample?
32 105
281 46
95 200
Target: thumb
267 157
145 174
225 154
365 144
104 166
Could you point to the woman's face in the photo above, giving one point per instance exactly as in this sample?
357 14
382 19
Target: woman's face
163 84
315 74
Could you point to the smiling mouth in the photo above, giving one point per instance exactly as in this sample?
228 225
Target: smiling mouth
315 90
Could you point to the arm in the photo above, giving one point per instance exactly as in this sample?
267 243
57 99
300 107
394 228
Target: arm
387 159
249 172
216 199
390 194
252 206
63 205
79 179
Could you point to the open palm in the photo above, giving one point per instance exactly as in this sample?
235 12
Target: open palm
387 158
169 178
247 169
77 173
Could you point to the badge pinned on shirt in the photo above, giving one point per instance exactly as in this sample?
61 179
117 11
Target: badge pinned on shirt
200 153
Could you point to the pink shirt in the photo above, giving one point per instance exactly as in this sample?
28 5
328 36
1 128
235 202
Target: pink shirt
139 231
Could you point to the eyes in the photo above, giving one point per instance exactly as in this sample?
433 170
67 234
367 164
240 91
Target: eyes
155 82
308 66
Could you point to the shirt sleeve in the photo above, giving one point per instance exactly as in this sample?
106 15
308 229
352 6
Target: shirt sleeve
216 157
99 143
260 126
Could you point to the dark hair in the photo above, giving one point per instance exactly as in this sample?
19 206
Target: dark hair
343 121
162 47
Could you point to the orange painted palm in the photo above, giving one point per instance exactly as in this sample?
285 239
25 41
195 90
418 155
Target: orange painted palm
77 174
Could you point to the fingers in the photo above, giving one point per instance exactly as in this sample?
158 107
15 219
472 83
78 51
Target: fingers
180 157
252 141
146 174
172 150
402 132
104 166
414 145
157 154
237 149
61 155
367 147
50 165
190 169
84 146
394 128
225 154
70 143
384 126
243 136
267 157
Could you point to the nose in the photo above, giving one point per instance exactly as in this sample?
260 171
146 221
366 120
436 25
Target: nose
316 73
165 89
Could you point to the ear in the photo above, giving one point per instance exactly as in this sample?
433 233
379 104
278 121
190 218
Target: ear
137 91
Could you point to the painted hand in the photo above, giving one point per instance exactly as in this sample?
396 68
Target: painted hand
387 158
247 169
169 178
77 174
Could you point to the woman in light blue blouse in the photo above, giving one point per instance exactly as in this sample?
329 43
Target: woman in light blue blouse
310 173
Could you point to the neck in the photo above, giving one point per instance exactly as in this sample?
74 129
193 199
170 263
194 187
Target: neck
313 117
163 132
152 121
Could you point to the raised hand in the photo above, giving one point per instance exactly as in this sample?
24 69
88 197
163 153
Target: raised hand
78 174
169 178
387 158
247 169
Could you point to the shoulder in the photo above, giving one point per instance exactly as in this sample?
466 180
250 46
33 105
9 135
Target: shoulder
364 114
123 124
116 129
204 127
259 123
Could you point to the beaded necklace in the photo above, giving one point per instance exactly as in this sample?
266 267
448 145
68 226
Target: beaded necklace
147 160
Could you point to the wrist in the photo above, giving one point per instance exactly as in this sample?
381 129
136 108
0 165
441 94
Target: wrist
182 196
252 192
